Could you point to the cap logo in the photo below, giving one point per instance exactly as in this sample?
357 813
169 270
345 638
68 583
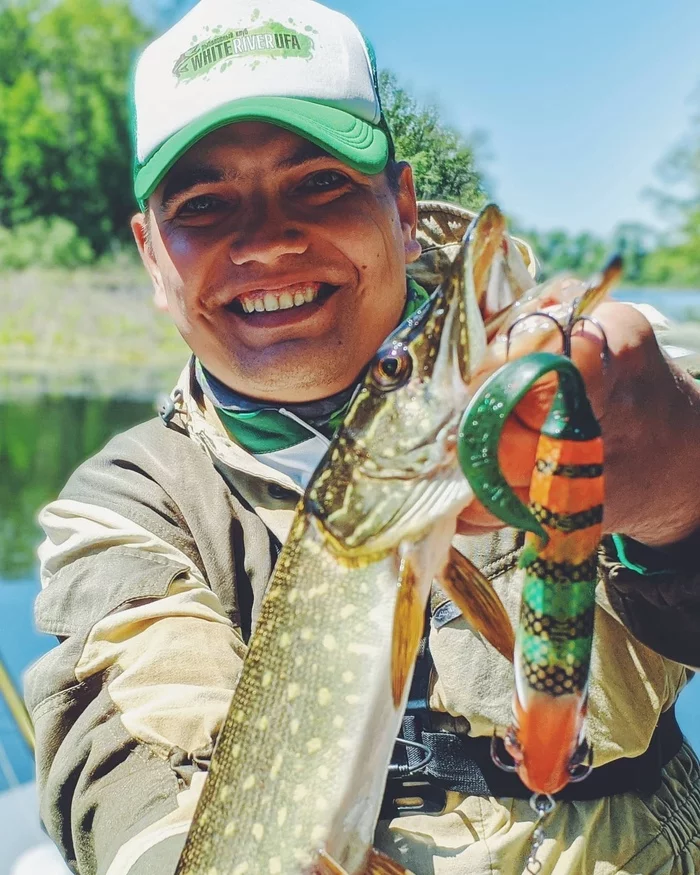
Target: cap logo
222 48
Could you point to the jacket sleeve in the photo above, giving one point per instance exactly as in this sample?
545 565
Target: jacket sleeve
128 705
656 594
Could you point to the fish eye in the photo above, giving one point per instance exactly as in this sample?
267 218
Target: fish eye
391 369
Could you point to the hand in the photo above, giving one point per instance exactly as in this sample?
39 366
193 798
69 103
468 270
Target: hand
649 411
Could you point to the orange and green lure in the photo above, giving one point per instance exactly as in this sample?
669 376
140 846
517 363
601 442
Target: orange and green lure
563 522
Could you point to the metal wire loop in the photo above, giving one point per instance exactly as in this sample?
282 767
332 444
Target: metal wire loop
404 771
605 350
542 804
525 316
496 757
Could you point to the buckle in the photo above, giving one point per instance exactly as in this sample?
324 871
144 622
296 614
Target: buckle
404 796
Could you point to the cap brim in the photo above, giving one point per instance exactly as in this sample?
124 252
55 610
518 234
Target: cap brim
359 144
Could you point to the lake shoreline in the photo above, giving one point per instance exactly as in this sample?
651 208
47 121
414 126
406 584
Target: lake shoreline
95 332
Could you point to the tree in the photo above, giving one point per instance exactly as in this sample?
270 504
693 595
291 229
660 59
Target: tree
443 161
677 259
634 241
64 136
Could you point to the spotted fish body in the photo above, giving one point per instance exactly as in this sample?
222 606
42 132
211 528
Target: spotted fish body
297 778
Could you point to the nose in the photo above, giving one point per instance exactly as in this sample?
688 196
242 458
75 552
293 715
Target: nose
267 233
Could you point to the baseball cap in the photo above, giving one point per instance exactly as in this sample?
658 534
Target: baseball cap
294 63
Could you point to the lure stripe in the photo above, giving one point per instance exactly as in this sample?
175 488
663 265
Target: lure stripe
573 547
574 472
557 681
562 572
565 494
555 629
567 522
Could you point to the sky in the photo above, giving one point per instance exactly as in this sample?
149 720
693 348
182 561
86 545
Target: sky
578 102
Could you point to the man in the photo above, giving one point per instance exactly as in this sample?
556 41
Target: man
277 231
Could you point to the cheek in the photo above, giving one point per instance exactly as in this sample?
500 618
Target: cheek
371 238
188 269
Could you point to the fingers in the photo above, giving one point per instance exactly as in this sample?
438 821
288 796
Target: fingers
628 335
476 520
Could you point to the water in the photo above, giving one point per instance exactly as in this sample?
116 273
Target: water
679 304
41 443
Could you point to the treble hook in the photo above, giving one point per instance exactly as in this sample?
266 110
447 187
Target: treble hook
566 330
573 321
581 764
525 316
496 757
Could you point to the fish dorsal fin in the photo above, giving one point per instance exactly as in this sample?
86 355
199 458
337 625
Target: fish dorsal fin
479 603
380 864
408 628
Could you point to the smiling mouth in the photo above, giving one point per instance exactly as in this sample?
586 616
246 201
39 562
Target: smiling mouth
286 298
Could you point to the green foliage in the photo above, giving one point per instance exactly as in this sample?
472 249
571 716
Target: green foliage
584 253
442 160
64 135
52 242
558 251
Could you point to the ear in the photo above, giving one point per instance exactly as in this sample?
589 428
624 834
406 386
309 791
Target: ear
408 213
142 235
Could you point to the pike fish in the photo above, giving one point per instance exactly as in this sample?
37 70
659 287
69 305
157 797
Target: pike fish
297 778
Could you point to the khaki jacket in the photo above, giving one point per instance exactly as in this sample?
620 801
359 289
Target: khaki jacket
156 559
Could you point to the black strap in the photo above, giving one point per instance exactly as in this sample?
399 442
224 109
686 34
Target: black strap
464 764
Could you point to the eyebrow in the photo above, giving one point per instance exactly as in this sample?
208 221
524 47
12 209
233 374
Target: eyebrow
180 180
306 152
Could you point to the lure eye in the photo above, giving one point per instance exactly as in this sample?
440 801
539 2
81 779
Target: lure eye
391 369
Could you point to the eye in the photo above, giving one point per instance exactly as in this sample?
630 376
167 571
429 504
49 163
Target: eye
200 205
391 369
324 180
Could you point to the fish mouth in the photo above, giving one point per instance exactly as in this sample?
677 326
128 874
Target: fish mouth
442 443
379 532
289 297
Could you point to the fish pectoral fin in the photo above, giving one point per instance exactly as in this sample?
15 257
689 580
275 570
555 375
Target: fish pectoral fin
478 601
408 629
380 864
377 864
326 865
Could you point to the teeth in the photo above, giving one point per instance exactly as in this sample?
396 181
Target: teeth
271 301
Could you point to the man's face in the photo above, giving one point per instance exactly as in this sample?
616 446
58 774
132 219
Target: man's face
282 268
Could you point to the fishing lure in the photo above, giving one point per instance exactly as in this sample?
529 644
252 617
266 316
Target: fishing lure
563 524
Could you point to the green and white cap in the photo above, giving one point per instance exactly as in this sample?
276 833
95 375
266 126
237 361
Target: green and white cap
294 63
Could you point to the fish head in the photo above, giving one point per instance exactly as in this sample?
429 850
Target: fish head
392 468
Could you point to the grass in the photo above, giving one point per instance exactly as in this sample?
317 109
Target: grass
89 331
